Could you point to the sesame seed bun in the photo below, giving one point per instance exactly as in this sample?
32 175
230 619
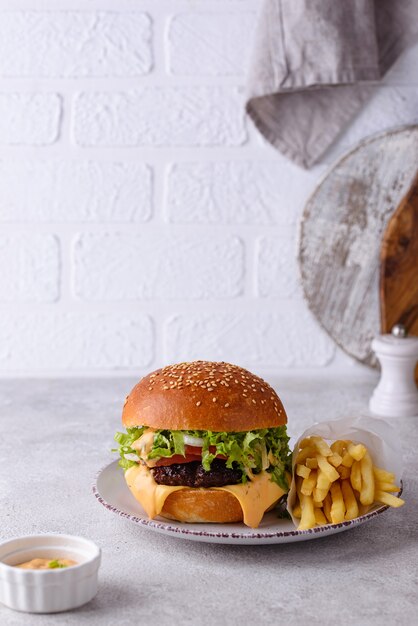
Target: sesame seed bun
203 395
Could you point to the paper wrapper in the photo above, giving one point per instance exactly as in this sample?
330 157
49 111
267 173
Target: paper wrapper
380 438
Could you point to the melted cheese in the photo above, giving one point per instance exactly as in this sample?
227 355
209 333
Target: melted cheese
255 496
144 444
150 494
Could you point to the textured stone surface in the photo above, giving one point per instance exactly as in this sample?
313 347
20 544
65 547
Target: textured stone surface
128 266
54 341
210 44
277 271
236 192
66 191
29 118
183 116
29 267
280 339
366 575
68 43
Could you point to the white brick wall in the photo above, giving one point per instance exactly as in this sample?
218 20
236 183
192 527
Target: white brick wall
156 116
74 191
69 44
30 267
202 44
56 340
126 266
29 118
236 192
288 338
143 220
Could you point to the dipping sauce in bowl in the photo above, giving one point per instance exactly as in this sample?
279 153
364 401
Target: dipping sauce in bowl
28 572
47 564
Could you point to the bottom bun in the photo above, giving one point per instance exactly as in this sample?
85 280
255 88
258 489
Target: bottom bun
202 505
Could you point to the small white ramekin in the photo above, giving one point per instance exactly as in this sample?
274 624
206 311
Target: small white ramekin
48 591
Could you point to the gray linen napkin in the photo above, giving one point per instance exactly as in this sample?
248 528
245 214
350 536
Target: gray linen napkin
316 62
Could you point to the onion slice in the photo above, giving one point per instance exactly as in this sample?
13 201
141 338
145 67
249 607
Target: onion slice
197 442
131 457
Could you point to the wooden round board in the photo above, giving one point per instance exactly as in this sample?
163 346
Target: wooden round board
341 236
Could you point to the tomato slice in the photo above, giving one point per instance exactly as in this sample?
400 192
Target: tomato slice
177 458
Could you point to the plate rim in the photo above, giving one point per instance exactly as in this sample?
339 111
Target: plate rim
234 536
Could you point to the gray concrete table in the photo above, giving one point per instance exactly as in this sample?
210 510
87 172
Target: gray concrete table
55 435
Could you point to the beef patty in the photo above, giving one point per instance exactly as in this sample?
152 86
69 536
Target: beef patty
193 475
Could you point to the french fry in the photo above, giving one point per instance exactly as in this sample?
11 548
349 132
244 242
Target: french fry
322 446
381 486
303 471
337 506
307 519
338 446
355 476
357 451
305 443
344 472
383 475
297 512
304 454
388 498
320 518
319 495
367 480
308 484
347 460
327 507
335 459
351 506
329 471
338 482
322 481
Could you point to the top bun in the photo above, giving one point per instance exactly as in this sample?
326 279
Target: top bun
202 395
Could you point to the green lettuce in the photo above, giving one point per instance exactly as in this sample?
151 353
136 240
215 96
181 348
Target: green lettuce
251 451
125 440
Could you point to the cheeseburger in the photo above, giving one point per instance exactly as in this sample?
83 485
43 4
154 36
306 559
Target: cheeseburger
205 442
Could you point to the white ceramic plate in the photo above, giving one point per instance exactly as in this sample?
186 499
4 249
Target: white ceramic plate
112 491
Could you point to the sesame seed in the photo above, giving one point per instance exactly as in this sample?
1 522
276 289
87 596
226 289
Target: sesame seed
254 402
198 403
226 405
214 399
